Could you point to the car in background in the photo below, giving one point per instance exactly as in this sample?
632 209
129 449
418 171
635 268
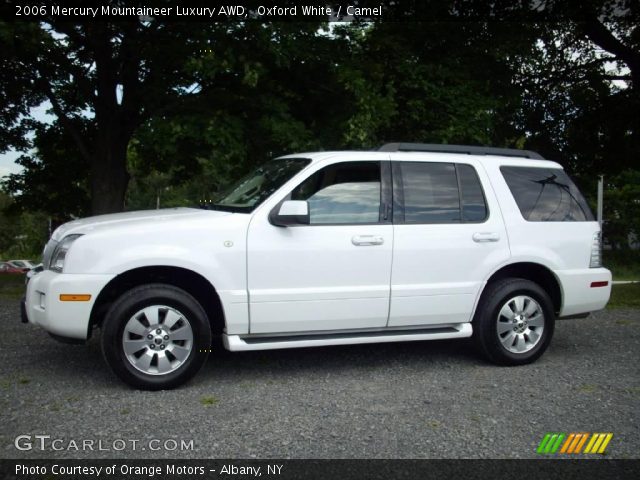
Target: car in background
6 267
23 265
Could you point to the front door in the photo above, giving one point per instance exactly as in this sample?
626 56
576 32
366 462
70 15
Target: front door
332 274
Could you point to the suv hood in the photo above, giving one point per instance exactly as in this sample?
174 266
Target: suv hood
89 224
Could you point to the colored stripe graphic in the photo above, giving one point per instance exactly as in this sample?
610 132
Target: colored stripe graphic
581 443
543 443
557 443
567 443
550 443
598 443
573 443
606 441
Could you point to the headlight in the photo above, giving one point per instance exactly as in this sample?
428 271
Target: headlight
59 254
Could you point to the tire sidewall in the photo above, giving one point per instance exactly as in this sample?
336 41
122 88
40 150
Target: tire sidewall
134 301
489 327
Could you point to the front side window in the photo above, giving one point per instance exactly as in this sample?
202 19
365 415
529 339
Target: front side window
254 188
343 193
546 195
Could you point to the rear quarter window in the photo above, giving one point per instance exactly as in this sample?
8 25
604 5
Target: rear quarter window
546 195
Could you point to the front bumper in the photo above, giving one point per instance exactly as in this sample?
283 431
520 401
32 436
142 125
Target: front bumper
584 290
43 306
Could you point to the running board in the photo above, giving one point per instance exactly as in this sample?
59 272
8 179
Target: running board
237 343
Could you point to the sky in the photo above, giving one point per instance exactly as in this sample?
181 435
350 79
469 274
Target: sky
7 164
7 160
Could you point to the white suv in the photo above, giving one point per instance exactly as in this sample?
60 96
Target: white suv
410 242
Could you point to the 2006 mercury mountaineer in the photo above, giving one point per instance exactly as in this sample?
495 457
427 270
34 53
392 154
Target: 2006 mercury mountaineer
409 242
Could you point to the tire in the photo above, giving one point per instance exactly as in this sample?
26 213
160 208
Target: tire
167 336
514 322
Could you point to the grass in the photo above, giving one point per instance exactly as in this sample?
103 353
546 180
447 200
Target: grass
12 286
588 388
624 264
7 382
633 390
625 296
209 401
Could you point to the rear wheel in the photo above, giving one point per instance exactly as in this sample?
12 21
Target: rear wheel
156 337
514 322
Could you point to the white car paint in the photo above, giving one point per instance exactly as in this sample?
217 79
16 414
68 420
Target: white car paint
319 279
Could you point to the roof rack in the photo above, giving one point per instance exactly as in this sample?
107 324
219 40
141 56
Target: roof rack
467 149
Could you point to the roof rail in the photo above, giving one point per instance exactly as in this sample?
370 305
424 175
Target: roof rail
467 149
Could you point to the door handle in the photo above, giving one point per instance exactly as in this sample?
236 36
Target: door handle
481 237
363 240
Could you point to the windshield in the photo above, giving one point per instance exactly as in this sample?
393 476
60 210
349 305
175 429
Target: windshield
251 190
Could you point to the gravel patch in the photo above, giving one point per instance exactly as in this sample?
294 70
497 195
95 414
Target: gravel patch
405 400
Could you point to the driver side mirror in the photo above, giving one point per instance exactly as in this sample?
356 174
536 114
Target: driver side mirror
290 212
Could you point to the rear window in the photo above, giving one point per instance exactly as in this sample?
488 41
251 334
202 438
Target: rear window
546 195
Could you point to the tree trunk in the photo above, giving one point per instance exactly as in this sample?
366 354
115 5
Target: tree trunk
109 177
598 33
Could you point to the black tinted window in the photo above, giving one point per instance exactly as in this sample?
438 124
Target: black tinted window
342 193
474 207
546 195
430 192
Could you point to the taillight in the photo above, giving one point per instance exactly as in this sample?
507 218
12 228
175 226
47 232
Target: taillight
596 252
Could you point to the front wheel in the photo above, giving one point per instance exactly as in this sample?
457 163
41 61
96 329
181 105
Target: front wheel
156 337
514 322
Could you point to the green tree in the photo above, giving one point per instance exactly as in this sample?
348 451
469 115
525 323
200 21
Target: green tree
622 208
116 75
22 234
222 91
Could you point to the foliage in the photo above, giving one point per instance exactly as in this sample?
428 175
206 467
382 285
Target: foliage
624 264
146 110
420 81
22 234
622 208
55 179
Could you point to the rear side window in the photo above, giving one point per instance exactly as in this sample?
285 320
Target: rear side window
546 195
433 192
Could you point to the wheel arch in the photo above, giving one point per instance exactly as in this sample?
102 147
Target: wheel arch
188 280
534 272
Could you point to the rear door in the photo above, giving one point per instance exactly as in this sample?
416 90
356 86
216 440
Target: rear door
448 236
